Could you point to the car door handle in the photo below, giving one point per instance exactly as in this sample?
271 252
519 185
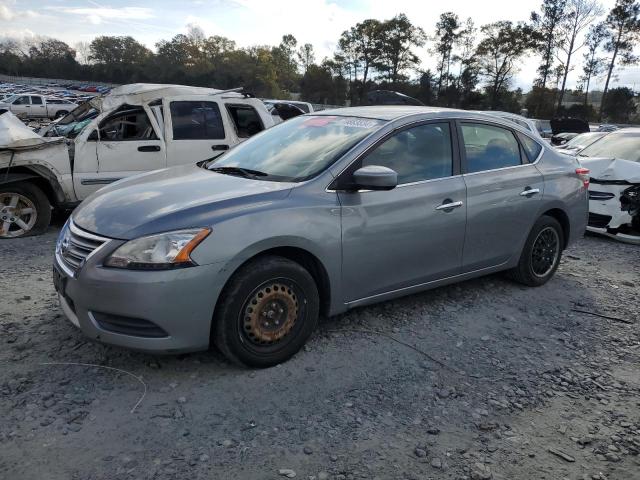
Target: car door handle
448 206
219 147
149 148
529 191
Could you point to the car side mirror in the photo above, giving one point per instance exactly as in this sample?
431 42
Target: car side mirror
375 177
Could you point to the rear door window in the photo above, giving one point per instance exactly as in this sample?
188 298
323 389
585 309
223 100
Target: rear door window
245 119
488 147
36 100
196 120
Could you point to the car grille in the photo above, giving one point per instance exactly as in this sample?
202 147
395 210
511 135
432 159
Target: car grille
599 221
75 246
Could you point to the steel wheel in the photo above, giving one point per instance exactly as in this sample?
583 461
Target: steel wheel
270 312
544 254
18 215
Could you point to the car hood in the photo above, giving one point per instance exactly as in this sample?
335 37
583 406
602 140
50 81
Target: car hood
171 199
610 169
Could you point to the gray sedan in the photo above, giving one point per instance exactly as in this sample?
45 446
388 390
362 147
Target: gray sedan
315 216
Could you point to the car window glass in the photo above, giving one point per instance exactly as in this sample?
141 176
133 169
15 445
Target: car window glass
300 148
196 120
531 148
615 145
130 124
22 101
36 100
246 120
416 154
488 147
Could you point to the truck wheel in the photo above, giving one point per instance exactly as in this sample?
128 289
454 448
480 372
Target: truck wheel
24 210
61 113
266 312
541 254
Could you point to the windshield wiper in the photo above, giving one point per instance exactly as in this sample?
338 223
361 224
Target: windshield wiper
244 172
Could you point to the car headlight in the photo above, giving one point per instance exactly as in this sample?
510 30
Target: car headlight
158 252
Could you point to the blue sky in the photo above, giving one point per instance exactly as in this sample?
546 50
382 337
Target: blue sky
251 22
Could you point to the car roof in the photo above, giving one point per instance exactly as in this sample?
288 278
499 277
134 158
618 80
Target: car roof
394 112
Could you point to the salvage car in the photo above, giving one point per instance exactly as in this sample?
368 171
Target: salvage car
614 192
32 106
317 215
136 128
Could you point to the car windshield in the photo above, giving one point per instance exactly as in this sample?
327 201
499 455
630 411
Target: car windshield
298 149
10 98
615 145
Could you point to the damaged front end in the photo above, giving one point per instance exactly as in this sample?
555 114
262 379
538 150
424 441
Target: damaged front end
614 199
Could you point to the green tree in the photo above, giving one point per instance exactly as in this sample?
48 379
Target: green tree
592 64
619 105
399 36
498 54
306 56
360 45
446 36
579 15
546 24
623 30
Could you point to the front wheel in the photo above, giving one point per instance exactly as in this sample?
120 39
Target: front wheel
24 210
541 254
266 312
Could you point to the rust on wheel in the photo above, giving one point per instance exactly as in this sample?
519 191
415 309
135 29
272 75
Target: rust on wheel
270 313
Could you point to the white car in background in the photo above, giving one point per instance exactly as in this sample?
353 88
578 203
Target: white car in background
614 189
580 142
33 105
136 128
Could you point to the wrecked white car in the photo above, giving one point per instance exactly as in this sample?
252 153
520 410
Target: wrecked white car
134 129
614 190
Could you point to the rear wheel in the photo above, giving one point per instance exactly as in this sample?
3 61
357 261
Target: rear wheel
24 210
61 113
541 253
266 312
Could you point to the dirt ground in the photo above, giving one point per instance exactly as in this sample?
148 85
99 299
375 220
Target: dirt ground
485 379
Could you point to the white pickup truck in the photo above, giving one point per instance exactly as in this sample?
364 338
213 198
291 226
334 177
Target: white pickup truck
31 105
135 128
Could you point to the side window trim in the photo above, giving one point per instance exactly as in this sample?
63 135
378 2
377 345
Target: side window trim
338 183
463 154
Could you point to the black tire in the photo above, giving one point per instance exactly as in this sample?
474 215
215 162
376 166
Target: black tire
239 330
61 113
39 200
532 273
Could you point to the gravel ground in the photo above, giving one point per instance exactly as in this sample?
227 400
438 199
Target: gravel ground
485 379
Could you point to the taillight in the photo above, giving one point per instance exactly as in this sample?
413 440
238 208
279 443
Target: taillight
583 173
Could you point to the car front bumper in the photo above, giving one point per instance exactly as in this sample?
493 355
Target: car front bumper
166 311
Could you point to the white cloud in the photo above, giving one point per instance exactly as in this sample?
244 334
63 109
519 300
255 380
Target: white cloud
98 15
7 13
